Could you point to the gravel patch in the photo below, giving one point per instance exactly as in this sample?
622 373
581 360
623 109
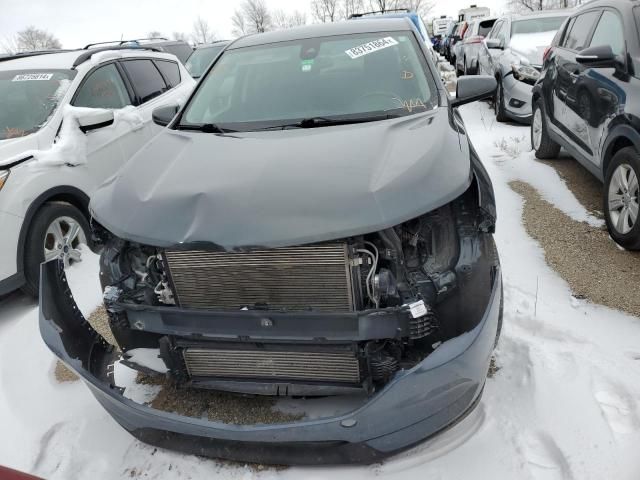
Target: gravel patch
222 407
99 320
63 374
586 188
595 268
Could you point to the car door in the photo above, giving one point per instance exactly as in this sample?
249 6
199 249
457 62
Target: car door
601 90
103 87
483 56
568 110
496 54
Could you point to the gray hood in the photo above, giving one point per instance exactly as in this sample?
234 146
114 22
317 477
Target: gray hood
280 188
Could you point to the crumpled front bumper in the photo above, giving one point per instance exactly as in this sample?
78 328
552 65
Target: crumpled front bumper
413 406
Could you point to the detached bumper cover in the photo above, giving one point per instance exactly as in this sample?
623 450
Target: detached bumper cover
413 406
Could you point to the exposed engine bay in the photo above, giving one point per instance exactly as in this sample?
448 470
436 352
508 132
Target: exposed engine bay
318 319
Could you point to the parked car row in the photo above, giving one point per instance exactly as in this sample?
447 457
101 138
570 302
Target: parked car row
572 76
291 231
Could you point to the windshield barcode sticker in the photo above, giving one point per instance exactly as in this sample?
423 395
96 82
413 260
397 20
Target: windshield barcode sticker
26 77
370 47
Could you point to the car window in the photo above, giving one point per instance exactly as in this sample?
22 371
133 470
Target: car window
496 28
201 59
146 79
578 33
609 32
485 27
104 88
28 99
363 75
171 72
502 33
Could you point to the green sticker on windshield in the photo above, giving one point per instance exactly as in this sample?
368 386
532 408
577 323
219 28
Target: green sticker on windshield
306 65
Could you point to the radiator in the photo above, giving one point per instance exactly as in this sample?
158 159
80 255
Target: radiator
340 366
316 277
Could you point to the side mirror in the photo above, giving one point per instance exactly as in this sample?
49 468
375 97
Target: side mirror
474 88
494 43
599 56
94 118
163 115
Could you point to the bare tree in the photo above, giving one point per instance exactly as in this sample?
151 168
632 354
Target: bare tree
520 6
202 32
282 19
324 10
155 34
422 7
349 7
256 16
30 38
179 36
239 25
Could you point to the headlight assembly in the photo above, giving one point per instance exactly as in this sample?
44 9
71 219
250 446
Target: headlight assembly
525 73
4 174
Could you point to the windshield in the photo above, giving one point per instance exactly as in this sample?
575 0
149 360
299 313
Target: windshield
28 98
536 25
201 58
335 78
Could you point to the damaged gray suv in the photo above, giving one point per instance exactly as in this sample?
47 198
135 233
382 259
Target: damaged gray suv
312 222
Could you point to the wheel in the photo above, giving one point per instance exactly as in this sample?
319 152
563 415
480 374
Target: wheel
57 231
621 198
498 103
544 146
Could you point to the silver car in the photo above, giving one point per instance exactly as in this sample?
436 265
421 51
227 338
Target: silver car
513 52
468 50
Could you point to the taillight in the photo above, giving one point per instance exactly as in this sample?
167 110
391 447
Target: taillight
546 53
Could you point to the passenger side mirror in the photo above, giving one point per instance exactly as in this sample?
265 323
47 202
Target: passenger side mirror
163 115
599 56
474 88
94 118
494 43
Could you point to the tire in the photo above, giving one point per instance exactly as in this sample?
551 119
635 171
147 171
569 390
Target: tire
544 146
43 236
621 189
498 104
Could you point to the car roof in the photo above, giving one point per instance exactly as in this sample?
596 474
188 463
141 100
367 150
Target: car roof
344 27
68 59
217 43
542 14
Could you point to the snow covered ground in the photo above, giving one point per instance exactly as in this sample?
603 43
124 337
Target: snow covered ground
565 403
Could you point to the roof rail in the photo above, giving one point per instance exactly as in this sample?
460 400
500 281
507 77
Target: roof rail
86 55
380 12
31 54
122 42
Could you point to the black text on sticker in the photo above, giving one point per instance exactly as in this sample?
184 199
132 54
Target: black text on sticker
371 47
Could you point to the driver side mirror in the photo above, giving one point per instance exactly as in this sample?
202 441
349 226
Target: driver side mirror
163 115
95 118
474 88
494 43
599 56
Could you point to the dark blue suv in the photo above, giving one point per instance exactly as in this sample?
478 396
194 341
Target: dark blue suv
586 100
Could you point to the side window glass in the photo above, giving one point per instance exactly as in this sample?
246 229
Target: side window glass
146 79
578 34
171 72
502 33
609 32
103 88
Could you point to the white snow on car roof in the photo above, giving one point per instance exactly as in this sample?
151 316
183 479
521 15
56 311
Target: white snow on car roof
65 60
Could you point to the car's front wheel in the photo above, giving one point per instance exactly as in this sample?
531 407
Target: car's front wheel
498 103
543 145
57 231
621 198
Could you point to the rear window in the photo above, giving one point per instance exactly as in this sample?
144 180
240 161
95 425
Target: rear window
485 27
579 30
182 51
146 79
171 72
537 25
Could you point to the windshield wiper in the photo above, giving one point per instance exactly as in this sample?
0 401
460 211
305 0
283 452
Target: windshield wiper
315 122
205 128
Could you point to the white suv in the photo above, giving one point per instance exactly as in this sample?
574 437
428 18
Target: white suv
68 121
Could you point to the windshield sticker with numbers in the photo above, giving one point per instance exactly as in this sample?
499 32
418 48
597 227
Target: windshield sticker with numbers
26 77
370 47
